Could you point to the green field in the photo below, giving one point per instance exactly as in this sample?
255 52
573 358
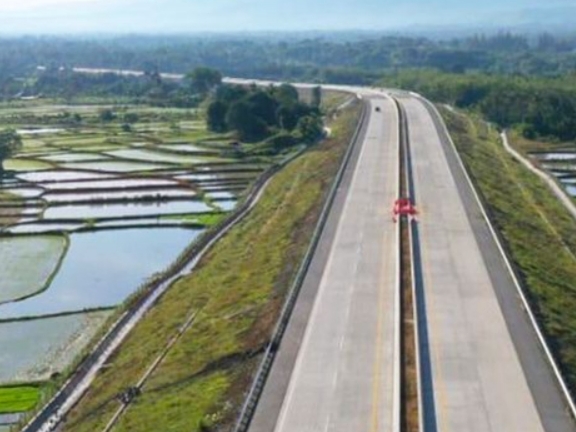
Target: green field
26 165
206 219
539 232
18 399
237 293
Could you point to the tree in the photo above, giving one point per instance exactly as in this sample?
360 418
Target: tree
281 141
202 79
289 114
107 115
216 116
249 127
263 105
10 143
310 128
316 97
286 94
287 117
230 93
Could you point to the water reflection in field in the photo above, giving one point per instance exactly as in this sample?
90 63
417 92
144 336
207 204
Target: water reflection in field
103 268
133 209
561 164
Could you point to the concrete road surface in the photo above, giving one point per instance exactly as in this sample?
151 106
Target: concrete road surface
477 380
342 379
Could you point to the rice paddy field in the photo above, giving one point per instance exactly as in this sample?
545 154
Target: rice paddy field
562 164
89 211
558 159
28 263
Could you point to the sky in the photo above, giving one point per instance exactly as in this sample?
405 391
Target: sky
190 16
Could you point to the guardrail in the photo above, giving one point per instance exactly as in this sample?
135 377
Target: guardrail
499 243
57 407
249 407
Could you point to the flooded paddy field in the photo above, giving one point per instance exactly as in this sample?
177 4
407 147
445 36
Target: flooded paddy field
105 196
187 148
561 164
127 210
87 281
89 213
41 347
28 263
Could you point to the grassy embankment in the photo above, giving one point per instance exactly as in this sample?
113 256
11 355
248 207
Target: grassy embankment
237 293
18 399
539 233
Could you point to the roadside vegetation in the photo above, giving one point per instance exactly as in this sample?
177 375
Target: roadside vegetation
539 233
235 296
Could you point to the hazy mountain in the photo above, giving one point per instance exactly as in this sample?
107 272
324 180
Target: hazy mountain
189 16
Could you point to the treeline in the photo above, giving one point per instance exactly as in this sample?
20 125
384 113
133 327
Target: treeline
323 57
540 107
149 88
274 115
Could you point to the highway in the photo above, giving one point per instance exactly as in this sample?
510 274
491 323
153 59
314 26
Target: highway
476 380
343 376
482 366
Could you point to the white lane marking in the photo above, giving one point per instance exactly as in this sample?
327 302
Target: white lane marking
327 424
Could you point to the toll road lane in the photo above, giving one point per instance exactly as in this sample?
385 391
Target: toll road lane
342 379
477 380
